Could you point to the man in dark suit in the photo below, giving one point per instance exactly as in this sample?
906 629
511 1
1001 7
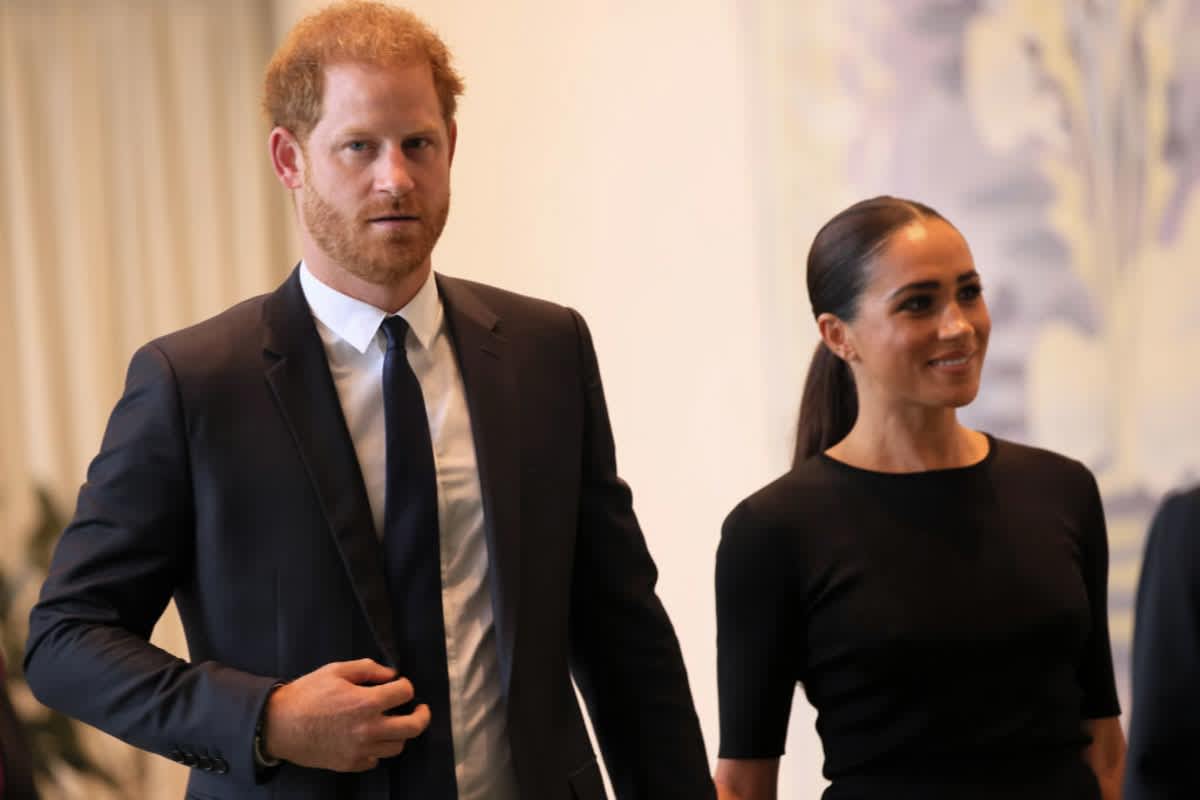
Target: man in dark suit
1165 724
385 501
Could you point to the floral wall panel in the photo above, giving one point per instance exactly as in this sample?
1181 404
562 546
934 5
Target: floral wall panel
1063 138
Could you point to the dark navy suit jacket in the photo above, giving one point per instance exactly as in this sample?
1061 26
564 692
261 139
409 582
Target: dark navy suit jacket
1164 731
228 481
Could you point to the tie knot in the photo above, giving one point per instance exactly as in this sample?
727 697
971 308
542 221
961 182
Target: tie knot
395 328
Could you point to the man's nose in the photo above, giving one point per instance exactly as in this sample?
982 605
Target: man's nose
393 175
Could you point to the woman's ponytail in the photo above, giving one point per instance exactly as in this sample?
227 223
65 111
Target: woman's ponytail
828 407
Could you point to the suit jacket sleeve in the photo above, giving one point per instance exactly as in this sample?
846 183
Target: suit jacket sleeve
625 655
128 547
1166 657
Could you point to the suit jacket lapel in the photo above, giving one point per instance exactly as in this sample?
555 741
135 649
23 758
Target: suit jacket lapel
487 373
298 373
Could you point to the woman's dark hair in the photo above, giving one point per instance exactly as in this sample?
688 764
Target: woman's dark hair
838 263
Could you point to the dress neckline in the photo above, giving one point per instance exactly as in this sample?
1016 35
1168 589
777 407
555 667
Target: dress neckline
925 473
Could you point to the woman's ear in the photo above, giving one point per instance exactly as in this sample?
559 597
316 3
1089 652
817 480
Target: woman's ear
837 336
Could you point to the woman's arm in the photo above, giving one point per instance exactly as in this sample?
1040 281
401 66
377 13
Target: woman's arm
1106 754
759 631
748 778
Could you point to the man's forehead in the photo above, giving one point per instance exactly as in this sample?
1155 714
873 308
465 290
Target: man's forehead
350 66
363 94
351 83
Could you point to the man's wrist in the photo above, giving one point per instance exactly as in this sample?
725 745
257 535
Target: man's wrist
263 759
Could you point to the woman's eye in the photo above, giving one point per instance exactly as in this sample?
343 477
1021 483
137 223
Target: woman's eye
969 293
918 302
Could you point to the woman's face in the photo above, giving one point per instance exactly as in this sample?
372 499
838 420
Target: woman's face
922 326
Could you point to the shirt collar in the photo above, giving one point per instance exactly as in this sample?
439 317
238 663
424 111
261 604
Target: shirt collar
357 323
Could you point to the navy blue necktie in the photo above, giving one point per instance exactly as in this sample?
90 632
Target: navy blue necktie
425 769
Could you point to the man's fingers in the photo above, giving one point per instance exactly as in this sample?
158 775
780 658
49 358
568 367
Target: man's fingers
392 694
400 728
364 670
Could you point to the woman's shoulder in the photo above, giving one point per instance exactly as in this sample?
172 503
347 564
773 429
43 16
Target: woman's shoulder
1044 477
762 536
1036 463
803 492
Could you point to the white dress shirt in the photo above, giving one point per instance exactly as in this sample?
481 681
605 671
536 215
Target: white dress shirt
355 346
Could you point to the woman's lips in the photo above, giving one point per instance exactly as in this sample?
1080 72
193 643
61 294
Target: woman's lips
952 362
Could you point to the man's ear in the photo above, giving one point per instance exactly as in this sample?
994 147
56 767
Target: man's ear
287 157
837 336
452 133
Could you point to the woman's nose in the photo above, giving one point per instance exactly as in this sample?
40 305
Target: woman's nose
954 322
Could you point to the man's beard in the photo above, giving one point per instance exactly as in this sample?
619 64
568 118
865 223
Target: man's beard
380 259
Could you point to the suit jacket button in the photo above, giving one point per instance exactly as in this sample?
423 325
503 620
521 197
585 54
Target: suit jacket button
205 763
188 760
175 755
220 766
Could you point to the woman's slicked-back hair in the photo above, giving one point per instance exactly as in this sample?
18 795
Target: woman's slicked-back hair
350 32
838 271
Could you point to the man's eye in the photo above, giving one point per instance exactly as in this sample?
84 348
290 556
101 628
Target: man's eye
417 143
357 146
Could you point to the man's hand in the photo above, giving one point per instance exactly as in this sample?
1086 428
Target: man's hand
333 718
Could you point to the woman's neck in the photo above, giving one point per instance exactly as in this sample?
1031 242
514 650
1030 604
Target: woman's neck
910 442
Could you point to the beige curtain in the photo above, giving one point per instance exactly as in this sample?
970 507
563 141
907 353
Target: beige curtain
135 198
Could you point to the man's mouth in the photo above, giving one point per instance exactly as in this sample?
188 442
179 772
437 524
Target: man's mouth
395 218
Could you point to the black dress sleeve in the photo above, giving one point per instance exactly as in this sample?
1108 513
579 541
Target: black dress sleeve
1095 670
1166 657
759 641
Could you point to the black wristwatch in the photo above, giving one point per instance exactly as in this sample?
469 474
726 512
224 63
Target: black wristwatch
261 759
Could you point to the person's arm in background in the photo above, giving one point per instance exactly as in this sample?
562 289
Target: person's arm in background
1165 723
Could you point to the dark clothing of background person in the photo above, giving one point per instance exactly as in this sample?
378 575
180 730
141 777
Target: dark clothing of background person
1164 731
227 480
16 763
949 626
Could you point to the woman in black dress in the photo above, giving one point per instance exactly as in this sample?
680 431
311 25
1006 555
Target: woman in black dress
939 593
